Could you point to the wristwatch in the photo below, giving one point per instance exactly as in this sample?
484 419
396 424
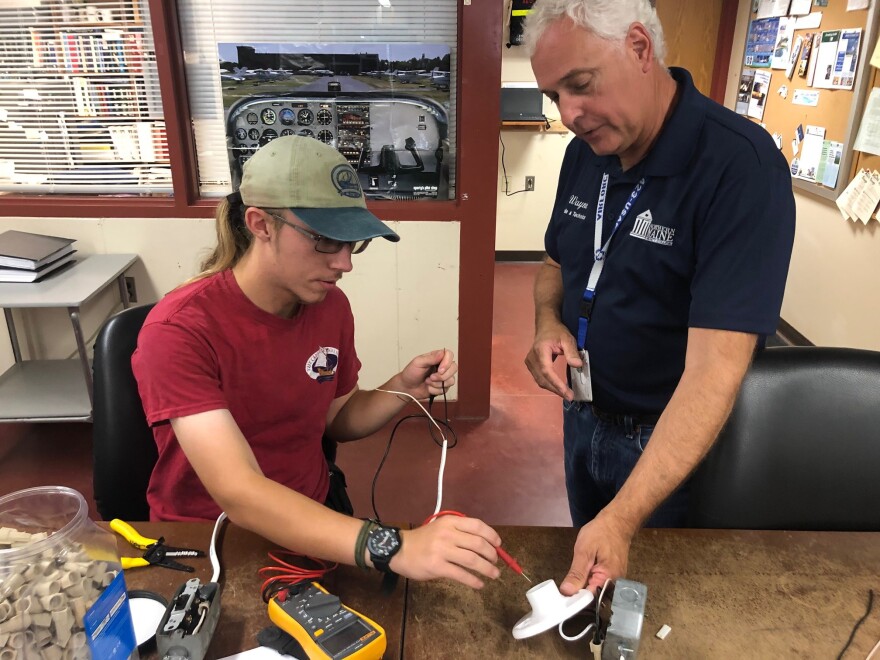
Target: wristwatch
383 543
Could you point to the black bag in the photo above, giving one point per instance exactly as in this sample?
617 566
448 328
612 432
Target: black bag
337 496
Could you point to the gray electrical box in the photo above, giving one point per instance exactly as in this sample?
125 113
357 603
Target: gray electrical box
627 616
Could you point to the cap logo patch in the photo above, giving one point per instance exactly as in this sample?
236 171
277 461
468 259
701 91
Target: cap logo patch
346 181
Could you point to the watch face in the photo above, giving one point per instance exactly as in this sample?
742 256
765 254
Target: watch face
383 541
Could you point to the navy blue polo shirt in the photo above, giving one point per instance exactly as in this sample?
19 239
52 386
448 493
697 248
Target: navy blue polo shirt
706 245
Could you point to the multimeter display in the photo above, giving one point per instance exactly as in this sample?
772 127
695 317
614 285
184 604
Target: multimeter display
324 626
345 638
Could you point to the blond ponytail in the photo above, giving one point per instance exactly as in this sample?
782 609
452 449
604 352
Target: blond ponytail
233 237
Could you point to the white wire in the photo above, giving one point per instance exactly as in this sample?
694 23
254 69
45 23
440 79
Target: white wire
602 593
589 627
575 638
215 560
442 451
873 651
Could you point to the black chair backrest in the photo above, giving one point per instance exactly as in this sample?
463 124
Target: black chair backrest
124 451
801 449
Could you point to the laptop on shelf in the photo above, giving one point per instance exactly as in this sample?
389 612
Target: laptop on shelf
522 104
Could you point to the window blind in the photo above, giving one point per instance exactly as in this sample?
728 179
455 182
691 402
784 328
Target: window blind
80 107
205 23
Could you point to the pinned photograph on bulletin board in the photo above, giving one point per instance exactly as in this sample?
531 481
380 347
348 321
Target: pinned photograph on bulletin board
519 9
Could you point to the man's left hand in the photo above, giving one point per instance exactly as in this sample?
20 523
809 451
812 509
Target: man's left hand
600 553
421 380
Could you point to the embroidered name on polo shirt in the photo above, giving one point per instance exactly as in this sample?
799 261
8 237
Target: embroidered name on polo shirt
579 208
648 231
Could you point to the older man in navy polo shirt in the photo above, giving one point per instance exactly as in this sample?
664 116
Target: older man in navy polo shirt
668 250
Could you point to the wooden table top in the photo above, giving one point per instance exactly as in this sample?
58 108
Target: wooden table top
725 594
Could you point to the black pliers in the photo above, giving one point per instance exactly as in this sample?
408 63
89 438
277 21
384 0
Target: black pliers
156 553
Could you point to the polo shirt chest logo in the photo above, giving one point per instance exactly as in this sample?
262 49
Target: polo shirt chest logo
576 208
646 230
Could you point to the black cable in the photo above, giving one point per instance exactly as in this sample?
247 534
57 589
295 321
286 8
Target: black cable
504 170
452 441
852 635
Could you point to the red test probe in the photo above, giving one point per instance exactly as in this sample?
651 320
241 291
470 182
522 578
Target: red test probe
503 554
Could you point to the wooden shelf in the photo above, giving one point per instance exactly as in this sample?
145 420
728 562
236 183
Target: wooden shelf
534 126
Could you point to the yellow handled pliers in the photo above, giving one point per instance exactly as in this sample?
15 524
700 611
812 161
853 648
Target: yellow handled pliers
156 553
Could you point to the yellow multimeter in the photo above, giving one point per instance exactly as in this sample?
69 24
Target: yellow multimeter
324 627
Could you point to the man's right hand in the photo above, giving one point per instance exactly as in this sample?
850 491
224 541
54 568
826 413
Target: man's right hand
551 340
449 547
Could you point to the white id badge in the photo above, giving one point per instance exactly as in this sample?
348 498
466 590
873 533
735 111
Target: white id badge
581 384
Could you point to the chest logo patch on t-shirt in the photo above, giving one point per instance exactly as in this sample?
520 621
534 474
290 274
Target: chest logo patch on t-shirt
576 208
646 230
321 366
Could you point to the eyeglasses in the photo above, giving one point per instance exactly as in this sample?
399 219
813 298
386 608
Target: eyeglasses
323 244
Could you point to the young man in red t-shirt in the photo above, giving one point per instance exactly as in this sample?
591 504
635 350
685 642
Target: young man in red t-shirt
243 370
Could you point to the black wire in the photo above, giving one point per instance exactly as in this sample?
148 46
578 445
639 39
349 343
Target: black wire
852 635
452 441
504 170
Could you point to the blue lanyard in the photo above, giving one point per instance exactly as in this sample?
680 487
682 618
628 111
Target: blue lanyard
600 252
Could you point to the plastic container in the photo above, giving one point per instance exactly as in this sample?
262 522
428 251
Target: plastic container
62 591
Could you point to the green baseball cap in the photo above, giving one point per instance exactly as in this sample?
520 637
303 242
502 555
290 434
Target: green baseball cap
314 181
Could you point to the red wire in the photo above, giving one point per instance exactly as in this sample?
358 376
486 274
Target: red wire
288 573
502 554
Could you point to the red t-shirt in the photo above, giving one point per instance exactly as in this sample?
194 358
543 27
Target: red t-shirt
206 346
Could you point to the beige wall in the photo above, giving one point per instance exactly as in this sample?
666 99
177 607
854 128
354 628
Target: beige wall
521 219
832 296
404 296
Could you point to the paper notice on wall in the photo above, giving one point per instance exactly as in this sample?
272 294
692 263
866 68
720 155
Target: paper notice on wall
811 153
805 97
875 56
744 92
770 8
758 98
837 59
855 5
809 22
865 203
783 46
811 70
868 138
850 193
761 42
800 7
793 56
829 164
860 198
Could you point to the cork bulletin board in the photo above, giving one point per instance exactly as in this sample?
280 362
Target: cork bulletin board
838 110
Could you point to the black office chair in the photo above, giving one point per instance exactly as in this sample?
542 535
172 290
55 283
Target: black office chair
801 449
124 451
123 448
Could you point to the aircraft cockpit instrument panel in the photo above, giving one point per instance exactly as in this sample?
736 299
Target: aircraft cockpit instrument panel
395 143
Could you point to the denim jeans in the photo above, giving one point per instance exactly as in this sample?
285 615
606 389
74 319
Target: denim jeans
599 457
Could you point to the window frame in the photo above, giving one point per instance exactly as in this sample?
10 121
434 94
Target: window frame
187 202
